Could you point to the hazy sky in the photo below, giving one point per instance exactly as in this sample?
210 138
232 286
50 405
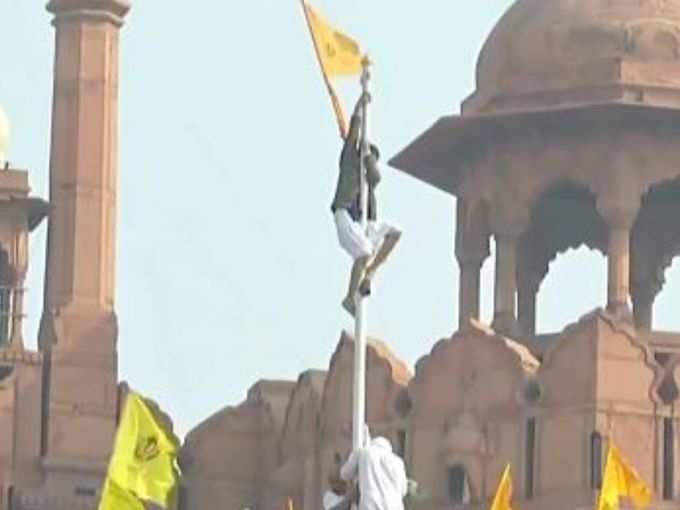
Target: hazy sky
228 266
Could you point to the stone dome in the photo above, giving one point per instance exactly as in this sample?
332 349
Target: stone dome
557 53
4 137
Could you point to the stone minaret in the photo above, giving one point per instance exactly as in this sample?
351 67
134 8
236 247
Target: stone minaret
78 329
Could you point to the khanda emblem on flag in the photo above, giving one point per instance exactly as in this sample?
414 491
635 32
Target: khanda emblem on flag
147 449
143 463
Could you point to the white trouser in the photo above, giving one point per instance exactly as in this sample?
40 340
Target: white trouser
355 241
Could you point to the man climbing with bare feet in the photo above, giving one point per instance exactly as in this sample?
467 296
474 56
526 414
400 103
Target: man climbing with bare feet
370 247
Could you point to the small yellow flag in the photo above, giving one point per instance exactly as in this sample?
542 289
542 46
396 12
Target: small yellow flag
621 480
338 54
503 497
142 465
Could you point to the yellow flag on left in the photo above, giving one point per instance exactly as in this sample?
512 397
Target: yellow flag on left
143 463
339 54
622 481
503 498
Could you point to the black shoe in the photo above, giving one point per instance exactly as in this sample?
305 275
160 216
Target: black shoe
365 287
348 305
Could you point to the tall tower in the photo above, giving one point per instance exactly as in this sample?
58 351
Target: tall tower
78 328
571 138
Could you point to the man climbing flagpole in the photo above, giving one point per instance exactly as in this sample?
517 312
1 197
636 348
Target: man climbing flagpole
367 240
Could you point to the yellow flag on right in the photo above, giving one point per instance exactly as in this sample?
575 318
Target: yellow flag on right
338 53
503 498
622 481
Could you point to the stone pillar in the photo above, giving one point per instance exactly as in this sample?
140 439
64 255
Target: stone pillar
530 275
505 292
648 256
526 310
618 253
78 331
643 313
18 281
526 305
509 223
472 249
619 215
468 301
17 317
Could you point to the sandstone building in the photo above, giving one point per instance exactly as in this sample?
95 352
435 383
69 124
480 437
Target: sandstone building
571 138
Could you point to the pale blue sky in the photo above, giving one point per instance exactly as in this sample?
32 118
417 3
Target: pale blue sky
228 266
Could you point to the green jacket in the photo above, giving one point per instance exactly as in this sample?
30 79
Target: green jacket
347 189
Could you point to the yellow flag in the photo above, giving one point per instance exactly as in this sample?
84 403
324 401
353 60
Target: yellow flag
621 480
338 54
503 496
142 465
115 498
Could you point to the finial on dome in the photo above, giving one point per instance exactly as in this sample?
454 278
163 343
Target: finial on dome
4 138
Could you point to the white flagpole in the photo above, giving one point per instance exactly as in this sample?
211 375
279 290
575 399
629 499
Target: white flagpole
359 400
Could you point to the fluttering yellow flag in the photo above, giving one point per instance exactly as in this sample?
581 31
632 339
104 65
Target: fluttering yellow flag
338 54
503 497
143 463
620 481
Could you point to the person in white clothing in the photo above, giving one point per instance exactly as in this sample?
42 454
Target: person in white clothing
340 495
381 476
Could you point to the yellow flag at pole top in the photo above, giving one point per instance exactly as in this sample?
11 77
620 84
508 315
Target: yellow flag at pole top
338 53
503 498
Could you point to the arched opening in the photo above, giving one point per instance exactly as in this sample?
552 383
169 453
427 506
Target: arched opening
487 282
6 297
667 305
596 460
668 488
655 242
529 458
458 484
575 284
563 219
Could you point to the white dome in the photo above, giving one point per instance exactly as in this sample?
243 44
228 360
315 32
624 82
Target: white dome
4 137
